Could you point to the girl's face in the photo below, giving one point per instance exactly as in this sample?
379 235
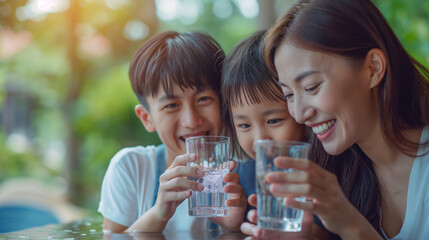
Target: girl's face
267 120
330 95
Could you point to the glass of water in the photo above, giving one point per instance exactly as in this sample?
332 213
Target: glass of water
212 154
272 211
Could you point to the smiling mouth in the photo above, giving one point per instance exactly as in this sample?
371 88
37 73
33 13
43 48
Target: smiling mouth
323 128
183 138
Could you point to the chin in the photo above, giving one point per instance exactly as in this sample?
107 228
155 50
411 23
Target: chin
333 150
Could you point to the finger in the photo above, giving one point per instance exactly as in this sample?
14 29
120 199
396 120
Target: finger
306 205
250 229
175 196
252 200
313 206
236 190
181 171
240 202
296 190
252 216
182 160
180 184
300 164
231 178
231 165
251 238
296 177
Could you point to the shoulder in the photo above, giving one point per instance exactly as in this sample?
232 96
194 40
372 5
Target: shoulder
133 159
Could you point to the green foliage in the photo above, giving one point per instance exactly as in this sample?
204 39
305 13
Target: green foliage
410 21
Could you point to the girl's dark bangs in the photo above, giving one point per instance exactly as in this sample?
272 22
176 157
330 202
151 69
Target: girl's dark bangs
254 93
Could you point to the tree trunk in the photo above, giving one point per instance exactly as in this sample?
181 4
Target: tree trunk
267 14
75 82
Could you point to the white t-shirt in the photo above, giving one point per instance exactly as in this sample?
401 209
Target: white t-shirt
128 189
416 222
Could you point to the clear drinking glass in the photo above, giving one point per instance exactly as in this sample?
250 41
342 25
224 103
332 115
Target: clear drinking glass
212 154
272 211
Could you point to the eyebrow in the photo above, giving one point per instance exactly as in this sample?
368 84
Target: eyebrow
302 76
267 112
239 116
272 111
165 97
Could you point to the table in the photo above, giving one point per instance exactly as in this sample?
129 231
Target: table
91 228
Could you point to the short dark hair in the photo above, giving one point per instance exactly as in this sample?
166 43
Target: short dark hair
246 80
189 60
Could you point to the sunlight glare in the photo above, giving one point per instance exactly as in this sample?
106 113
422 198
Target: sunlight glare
37 9
166 9
189 11
115 4
249 8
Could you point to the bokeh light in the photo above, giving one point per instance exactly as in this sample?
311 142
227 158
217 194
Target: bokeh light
136 30
222 9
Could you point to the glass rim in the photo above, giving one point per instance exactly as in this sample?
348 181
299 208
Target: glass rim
218 138
281 142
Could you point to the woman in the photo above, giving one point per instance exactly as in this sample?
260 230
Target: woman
345 74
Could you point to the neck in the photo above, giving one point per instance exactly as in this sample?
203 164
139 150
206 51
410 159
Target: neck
382 154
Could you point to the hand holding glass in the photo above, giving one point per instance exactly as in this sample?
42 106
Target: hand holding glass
272 211
212 154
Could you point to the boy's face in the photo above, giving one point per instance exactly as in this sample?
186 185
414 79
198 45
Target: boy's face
187 113
266 120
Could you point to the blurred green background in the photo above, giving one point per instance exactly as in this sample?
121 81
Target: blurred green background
66 104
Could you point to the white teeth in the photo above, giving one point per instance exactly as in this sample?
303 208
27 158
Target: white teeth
323 128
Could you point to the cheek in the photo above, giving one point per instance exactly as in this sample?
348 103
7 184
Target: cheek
246 142
213 115
291 131
291 109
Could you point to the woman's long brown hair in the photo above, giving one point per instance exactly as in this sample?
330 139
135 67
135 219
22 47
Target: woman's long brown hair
350 28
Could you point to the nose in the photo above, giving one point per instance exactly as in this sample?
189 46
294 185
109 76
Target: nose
191 117
262 134
300 110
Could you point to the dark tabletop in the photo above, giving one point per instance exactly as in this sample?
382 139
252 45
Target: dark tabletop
92 228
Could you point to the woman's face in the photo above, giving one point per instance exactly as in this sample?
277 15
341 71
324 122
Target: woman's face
330 95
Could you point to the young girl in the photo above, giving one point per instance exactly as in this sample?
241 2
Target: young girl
256 110
345 74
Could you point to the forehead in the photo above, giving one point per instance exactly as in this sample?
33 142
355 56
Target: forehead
291 61
176 91
259 110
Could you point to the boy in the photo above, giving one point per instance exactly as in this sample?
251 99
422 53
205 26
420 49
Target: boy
176 78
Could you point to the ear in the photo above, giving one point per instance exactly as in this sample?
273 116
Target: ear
144 116
377 66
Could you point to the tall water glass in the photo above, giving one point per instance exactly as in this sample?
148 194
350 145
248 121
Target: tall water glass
272 211
212 154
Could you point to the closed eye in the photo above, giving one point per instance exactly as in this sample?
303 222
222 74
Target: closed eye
288 97
312 89
170 106
205 99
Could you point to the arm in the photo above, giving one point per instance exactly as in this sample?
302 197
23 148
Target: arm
173 189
